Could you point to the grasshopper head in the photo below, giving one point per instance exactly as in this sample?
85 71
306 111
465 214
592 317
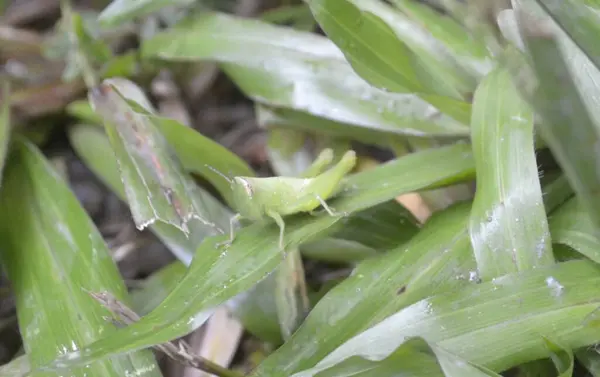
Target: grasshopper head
244 198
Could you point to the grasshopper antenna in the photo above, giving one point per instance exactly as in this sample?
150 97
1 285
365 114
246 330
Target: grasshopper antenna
219 173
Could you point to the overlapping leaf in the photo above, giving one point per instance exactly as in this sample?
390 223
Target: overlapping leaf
417 358
508 226
379 56
570 225
53 255
460 46
192 148
155 183
567 125
300 71
497 324
217 275
438 258
93 147
269 117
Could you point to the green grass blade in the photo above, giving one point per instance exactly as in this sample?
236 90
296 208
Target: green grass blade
556 193
579 22
369 44
566 124
562 358
192 148
269 117
337 250
379 56
497 324
156 288
92 145
430 262
120 11
216 275
53 254
301 71
414 358
257 310
438 71
453 164
157 187
465 50
382 227
584 73
570 225
508 225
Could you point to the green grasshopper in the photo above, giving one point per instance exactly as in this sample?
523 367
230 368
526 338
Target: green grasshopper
275 197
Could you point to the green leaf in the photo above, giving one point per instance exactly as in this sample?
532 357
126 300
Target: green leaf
53 254
562 358
584 73
566 124
369 44
217 275
270 117
92 145
156 288
257 310
381 58
300 71
581 24
508 225
438 258
119 11
195 151
459 43
155 183
382 227
337 250
438 71
570 225
556 193
413 358
496 324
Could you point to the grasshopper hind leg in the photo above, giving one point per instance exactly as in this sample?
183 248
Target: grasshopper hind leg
279 221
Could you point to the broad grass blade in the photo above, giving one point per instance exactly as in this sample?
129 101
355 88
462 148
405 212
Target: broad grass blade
157 187
497 324
217 275
54 256
508 225
301 71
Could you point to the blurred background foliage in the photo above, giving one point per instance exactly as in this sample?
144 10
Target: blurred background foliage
464 242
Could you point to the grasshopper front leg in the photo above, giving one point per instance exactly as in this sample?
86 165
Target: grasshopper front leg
279 220
232 222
